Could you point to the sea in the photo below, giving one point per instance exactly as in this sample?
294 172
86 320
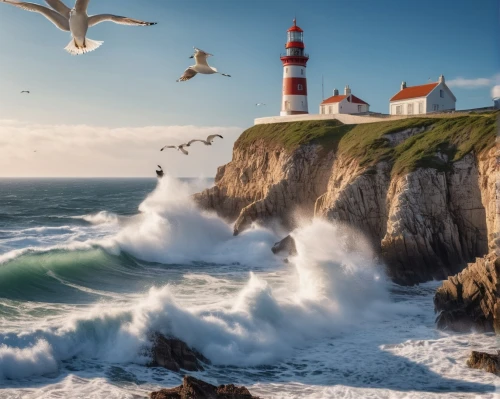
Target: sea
89 268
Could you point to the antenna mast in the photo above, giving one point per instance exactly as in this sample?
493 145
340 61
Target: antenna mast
322 88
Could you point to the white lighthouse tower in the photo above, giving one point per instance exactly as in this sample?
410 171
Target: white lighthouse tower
294 99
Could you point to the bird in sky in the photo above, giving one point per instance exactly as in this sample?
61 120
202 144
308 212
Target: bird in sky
75 21
259 104
201 66
208 141
25 91
180 148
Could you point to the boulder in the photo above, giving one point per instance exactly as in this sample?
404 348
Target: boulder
485 361
193 388
287 245
471 299
174 354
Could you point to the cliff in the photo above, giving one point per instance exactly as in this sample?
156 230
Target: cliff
422 189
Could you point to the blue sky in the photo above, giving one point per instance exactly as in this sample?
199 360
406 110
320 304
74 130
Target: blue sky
130 80
130 84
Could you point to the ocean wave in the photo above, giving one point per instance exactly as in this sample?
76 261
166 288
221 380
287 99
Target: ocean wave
102 217
260 327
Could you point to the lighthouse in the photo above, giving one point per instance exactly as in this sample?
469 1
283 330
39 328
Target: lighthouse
294 99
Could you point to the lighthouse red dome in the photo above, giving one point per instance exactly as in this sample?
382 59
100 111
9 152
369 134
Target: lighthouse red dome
295 28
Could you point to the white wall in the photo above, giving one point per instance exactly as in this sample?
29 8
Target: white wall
419 106
444 103
297 103
344 118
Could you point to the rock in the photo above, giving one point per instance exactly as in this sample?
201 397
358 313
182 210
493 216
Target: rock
424 224
193 388
174 354
287 245
471 299
485 361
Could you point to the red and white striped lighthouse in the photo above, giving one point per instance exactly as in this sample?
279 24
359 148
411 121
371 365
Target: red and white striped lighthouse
294 74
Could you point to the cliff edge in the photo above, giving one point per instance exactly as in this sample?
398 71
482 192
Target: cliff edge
422 189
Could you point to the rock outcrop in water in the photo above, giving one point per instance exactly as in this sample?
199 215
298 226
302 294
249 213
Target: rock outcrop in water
485 361
174 355
421 189
193 388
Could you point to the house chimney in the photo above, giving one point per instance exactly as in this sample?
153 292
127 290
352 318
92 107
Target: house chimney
335 92
347 91
441 79
403 85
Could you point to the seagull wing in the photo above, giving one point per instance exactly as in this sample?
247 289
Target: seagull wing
97 19
181 148
168 146
54 17
81 5
213 136
188 74
201 56
60 7
193 141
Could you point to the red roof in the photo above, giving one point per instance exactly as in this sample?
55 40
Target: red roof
414 92
337 99
295 28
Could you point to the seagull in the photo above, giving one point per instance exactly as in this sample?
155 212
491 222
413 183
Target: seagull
259 104
75 21
208 141
201 66
25 91
180 148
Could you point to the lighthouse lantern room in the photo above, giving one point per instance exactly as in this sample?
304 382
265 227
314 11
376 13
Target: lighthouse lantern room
294 74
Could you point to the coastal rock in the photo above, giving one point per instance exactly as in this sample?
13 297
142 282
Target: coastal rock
426 214
485 361
193 388
471 299
286 245
174 355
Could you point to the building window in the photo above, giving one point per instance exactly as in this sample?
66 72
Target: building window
441 93
359 108
435 107
398 109
410 109
322 109
421 108
286 70
330 111
302 71
299 87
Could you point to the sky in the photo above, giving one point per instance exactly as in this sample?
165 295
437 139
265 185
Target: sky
108 112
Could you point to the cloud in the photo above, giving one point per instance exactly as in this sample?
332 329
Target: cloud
473 83
89 151
495 91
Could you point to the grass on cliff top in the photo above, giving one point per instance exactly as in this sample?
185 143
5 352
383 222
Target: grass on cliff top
452 136
291 135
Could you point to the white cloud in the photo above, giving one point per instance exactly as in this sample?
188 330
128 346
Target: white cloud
473 83
88 151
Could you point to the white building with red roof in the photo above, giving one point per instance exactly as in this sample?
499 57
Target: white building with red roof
423 99
347 103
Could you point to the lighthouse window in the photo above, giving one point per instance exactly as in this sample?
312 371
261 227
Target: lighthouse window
286 70
301 71
300 87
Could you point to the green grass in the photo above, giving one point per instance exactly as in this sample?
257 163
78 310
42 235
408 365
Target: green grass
294 134
366 143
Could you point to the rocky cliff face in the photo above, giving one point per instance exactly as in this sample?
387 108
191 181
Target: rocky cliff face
422 190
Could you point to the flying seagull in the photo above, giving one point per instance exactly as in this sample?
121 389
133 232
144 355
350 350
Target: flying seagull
208 141
201 66
25 91
259 104
75 21
180 148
